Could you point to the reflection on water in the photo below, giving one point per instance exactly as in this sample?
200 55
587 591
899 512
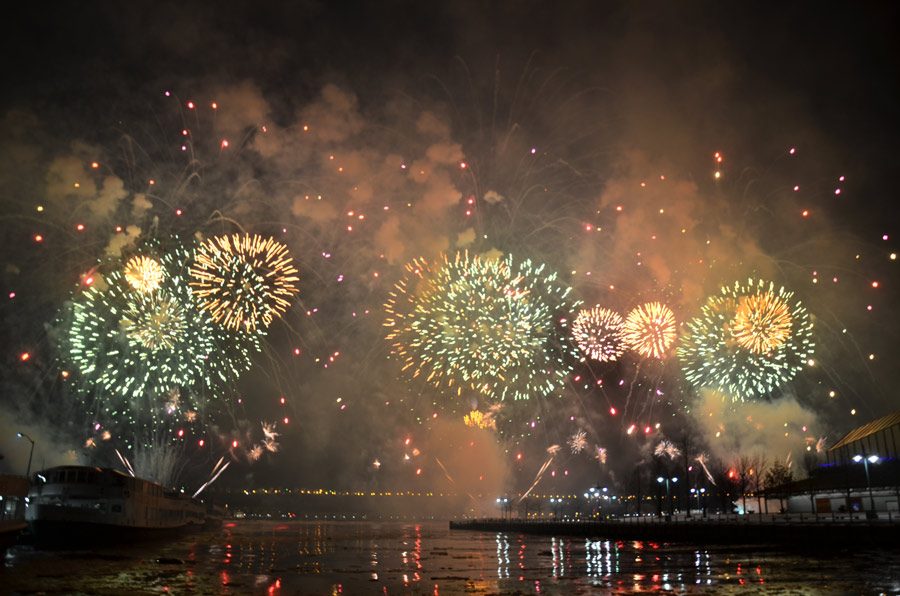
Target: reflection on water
342 558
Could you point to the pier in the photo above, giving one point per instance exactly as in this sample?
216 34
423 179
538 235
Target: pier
808 530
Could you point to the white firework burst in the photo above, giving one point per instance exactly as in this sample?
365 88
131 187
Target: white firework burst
578 442
269 430
666 448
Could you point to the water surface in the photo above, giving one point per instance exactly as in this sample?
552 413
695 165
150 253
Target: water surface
346 558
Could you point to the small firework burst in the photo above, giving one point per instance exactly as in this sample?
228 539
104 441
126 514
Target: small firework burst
578 441
553 450
666 448
269 430
598 333
477 419
143 273
255 453
650 329
601 454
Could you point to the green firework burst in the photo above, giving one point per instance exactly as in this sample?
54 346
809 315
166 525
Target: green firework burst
494 327
715 354
132 348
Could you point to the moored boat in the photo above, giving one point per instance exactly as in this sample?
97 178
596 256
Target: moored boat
79 504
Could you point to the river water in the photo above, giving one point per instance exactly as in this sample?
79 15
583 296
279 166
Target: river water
347 558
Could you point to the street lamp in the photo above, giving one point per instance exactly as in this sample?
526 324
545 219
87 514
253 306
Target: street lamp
30 453
697 492
660 479
866 461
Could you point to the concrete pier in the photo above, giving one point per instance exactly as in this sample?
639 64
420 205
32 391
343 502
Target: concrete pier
807 530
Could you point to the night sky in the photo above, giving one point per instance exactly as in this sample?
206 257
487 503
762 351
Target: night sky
581 136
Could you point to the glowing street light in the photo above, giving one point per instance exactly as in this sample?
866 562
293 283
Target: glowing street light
697 492
866 461
30 453
660 479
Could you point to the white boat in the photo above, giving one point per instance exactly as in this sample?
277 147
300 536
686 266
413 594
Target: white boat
79 504
13 490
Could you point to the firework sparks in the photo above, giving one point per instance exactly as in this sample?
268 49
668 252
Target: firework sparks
269 430
477 419
143 273
712 356
762 322
488 325
598 332
155 321
255 453
578 441
703 459
666 448
650 329
601 454
244 282
147 352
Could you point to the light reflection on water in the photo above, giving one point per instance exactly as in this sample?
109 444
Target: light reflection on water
343 558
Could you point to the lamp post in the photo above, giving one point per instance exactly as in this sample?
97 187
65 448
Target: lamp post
30 453
697 492
866 461
660 479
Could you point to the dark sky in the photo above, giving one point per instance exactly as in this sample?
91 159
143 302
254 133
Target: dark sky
613 94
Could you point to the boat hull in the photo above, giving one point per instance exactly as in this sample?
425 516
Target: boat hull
77 505
45 532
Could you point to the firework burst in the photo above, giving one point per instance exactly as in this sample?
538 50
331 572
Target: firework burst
143 273
156 321
598 332
477 419
713 356
578 441
131 347
487 325
762 322
243 281
666 448
650 329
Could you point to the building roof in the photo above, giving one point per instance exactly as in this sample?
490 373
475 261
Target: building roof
868 429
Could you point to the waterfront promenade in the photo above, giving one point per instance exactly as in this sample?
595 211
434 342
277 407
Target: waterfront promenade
802 529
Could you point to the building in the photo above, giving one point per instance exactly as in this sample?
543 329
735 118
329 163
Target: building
880 437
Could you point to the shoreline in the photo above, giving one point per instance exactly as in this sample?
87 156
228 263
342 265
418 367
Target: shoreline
723 530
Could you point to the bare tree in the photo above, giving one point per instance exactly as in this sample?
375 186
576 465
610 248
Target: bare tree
724 479
743 468
687 445
758 483
776 477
